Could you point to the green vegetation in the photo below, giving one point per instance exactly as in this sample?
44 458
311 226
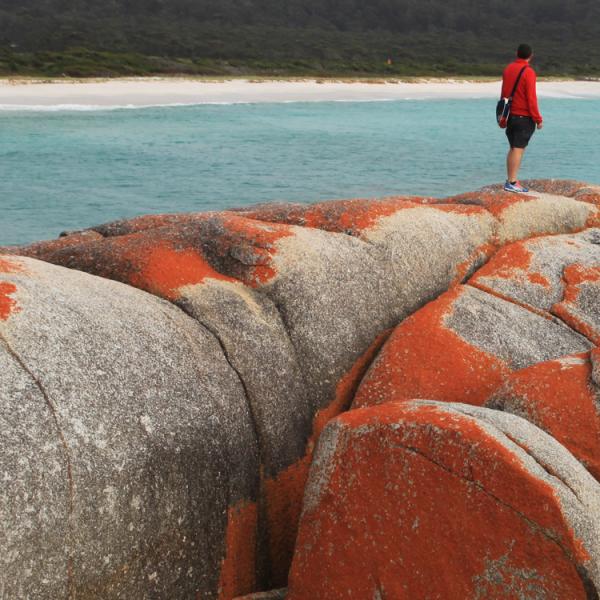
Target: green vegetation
89 38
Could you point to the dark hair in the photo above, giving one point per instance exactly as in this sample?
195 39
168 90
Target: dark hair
524 51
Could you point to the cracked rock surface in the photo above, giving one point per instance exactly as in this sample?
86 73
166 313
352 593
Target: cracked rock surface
434 499
108 397
165 381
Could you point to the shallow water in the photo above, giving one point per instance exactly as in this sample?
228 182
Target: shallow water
62 170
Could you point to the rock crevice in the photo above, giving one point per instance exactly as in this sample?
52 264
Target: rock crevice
284 317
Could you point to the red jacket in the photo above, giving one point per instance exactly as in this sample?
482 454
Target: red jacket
525 102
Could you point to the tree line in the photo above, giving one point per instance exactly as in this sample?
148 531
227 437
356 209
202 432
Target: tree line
417 36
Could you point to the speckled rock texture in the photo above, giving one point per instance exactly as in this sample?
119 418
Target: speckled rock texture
295 312
551 207
299 311
561 397
442 500
559 275
126 436
461 347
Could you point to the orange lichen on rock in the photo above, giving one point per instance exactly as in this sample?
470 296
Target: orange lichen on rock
7 304
576 275
593 219
356 216
349 216
590 198
425 359
238 570
496 202
283 499
44 250
539 279
9 266
253 244
162 258
479 256
340 216
511 262
159 261
147 222
576 279
163 270
578 190
558 396
353 216
416 502
284 493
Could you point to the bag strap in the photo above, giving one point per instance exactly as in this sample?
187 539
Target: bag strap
518 80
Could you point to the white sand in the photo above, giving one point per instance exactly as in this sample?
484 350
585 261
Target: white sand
157 92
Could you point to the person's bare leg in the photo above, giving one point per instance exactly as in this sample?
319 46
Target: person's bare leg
513 163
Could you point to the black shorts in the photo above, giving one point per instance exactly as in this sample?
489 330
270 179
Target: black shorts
519 131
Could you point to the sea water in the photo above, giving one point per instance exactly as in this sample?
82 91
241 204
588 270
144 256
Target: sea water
70 169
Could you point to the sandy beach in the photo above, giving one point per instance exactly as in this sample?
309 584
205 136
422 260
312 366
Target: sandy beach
23 94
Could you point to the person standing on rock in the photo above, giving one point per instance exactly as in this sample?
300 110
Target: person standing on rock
524 113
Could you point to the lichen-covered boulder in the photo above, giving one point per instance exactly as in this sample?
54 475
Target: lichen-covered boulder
579 190
298 300
127 443
461 347
297 310
520 216
439 500
580 306
531 271
557 276
561 397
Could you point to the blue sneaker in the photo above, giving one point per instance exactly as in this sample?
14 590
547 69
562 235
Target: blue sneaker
515 187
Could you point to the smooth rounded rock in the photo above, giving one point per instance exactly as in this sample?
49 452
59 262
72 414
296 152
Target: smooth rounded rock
521 216
437 500
127 436
461 347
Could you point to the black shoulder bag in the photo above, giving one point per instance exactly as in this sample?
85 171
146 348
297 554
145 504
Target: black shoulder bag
504 104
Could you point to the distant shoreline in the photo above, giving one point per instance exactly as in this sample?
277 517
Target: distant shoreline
133 92
371 79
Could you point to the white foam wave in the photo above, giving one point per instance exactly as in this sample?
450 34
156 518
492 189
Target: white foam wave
111 107
95 107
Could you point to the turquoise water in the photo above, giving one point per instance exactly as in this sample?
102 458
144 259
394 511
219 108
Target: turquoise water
72 169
